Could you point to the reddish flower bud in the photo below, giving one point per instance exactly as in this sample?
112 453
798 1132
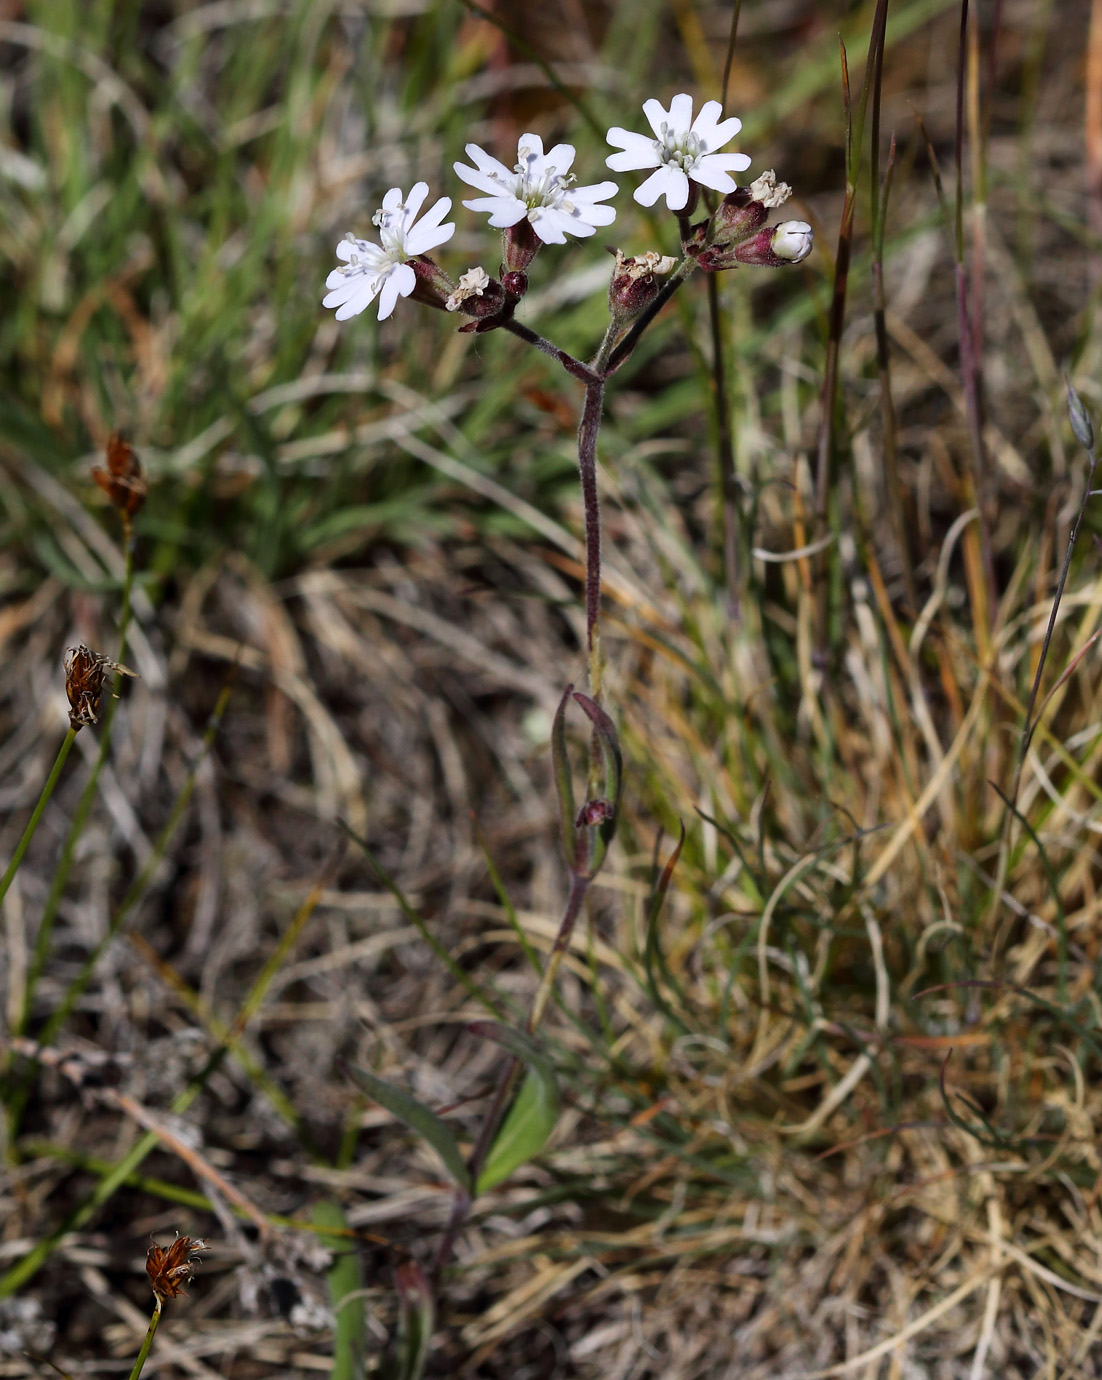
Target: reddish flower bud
519 246
737 217
433 286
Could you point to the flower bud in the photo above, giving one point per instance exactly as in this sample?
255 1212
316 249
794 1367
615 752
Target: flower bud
433 285
774 246
515 283
793 241
519 246
737 217
634 284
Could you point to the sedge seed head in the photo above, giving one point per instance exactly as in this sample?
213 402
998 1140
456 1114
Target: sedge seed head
170 1270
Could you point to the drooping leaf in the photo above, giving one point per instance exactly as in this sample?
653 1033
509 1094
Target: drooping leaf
418 1118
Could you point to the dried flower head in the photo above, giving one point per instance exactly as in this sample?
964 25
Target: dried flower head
84 672
171 1271
122 481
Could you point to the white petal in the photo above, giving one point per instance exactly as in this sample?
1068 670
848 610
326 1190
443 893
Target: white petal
560 158
483 181
388 294
415 201
669 182
681 112
393 199
594 191
489 167
712 170
352 296
532 142
715 136
592 214
563 222
657 116
708 175
550 225
504 210
639 152
425 237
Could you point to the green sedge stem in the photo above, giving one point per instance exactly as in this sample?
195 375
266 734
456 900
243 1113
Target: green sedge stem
33 822
83 810
150 1333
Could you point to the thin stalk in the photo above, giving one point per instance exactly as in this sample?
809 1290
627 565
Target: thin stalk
1029 727
588 428
84 805
572 366
725 454
824 458
36 816
883 357
150 1333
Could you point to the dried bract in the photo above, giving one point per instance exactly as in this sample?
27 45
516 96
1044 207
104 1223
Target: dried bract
170 1271
122 481
84 672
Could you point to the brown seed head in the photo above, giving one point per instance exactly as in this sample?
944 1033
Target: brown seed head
84 672
170 1271
122 481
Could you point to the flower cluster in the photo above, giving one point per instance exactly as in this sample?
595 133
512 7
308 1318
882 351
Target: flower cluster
538 201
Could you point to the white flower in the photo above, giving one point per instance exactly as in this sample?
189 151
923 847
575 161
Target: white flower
793 240
683 148
540 188
370 271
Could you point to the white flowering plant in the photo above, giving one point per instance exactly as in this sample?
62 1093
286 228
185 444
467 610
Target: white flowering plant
538 203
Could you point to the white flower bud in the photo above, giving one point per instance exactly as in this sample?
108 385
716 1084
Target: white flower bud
793 240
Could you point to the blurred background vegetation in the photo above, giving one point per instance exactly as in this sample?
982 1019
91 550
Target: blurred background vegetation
758 1172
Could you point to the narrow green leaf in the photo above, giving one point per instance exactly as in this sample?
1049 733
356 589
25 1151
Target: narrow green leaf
344 1277
418 1118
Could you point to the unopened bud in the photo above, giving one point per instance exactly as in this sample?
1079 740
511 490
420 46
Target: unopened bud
515 283
519 246
634 283
1080 420
433 286
737 217
774 246
793 241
